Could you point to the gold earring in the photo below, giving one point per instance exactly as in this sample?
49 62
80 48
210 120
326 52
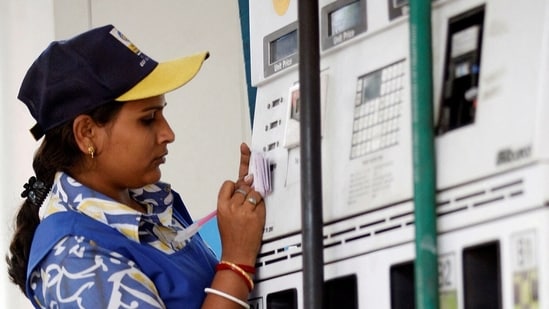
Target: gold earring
91 151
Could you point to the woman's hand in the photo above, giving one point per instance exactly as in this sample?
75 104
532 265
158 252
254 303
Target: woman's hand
241 220
241 216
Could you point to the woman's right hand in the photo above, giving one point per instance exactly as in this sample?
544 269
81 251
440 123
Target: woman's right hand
240 215
241 220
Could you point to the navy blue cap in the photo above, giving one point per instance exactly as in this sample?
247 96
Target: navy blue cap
94 68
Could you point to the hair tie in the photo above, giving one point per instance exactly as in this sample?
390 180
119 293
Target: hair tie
35 191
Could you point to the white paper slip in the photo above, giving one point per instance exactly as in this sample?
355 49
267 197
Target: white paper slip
260 169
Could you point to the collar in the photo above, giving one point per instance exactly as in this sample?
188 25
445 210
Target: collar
67 194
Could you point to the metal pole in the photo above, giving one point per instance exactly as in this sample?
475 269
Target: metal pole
310 150
426 265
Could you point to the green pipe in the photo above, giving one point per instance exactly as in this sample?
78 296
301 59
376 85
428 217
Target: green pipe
426 265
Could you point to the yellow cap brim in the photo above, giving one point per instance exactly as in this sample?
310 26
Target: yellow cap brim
167 76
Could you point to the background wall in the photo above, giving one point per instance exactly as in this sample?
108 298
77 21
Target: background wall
209 115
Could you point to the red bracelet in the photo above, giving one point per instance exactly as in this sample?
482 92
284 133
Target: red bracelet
224 265
247 268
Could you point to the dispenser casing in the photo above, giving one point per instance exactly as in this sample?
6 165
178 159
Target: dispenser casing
490 65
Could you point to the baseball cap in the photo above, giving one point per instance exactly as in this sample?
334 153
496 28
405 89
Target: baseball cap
99 66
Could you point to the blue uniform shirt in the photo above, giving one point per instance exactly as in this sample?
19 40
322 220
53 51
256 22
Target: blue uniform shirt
92 252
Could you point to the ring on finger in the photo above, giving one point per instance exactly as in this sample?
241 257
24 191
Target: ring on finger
252 200
241 191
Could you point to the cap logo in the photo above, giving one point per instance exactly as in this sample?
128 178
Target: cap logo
126 42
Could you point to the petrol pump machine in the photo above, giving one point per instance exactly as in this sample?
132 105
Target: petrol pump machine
490 63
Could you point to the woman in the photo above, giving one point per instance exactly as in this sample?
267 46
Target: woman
98 229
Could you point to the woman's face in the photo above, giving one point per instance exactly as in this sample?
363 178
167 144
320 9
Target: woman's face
134 144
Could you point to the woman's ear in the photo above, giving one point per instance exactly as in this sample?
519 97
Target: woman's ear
85 133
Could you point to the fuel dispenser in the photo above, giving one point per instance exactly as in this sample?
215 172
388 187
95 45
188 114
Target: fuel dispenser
490 62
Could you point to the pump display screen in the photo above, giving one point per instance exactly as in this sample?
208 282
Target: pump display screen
283 47
280 49
345 18
341 21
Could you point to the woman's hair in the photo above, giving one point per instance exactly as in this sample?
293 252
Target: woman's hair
58 152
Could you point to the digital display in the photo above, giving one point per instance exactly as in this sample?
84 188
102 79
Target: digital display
283 47
344 18
280 49
341 21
